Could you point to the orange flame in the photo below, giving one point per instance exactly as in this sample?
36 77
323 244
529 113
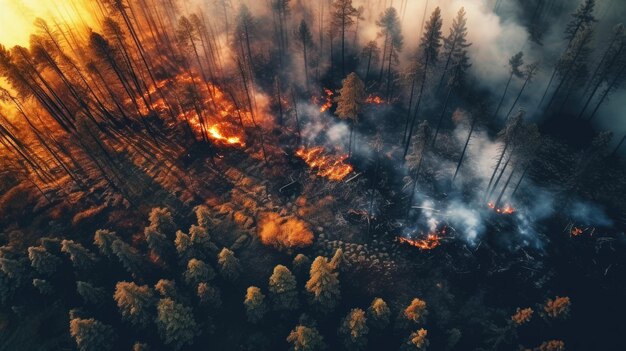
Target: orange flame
328 100
216 132
327 166
576 231
431 241
374 99
507 209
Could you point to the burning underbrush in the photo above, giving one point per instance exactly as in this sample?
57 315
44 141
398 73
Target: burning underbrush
424 241
324 165
284 233
505 210
211 111
326 101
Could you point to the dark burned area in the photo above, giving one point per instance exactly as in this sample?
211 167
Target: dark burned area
185 177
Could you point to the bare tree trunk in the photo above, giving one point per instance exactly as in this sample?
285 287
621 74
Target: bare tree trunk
417 109
469 137
506 88
443 113
495 170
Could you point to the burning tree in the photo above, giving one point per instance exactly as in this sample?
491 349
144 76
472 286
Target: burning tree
350 103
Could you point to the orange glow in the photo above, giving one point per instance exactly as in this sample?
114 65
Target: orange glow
327 166
376 100
507 209
431 241
218 135
576 231
17 17
219 120
327 98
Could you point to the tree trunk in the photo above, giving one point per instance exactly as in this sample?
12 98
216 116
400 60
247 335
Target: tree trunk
519 95
519 182
506 185
408 112
417 108
443 113
506 88
469 136
607 91
495 170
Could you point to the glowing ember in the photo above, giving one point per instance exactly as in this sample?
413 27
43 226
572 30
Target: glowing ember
507 209
328 166
328 100
431 241
219 120
216 132
376 100
576 231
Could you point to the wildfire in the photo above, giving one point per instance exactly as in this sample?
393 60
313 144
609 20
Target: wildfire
374 99
328 100
220 120
327 166
431 241
507 209
217 133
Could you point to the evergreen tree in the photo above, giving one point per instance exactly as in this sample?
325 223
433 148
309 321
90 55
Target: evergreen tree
128 257
429 47
572 67
515 62
323 285
417 341
103 239
343 17
370 53
166 288
337 259
378 314
301 263
203 216
230 268
209 295
91 335
42 261
303 338
160 231
304 38
80 256
201 241
184 246
391 30
455 44
529 73
176 323
14 270
581 18
136 303
197 272
354 330
44 287
255 304
609 69
283 290
416 311
91 294
350 102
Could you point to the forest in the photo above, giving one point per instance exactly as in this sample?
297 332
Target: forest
312 175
